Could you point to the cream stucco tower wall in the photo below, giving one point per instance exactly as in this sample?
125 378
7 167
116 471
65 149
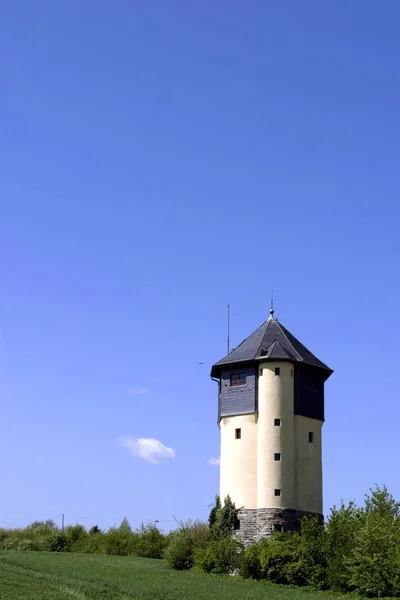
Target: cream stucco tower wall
271 456
250 471
308 465
238 460
275 401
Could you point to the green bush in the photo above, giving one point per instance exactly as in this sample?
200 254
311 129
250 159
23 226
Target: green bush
313 555
185 542
58 543
95 544
341 532
374 564
4 534
179 553
121 541
222 556
76 536
250 564
151 542
280 559
11 543
200 533
26 544
49 525
95 541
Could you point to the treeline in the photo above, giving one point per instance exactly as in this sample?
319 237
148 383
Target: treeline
148 541
356 550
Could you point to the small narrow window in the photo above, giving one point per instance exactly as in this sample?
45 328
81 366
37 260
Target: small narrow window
277 456
238 434
236 525
278 527
277 492
277 371
311 437
277 422
238 379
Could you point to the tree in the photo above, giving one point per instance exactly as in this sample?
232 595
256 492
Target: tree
313 558
214 512
342 528
125 526
226 518
374 564
382 503
121 540
76 536
151 542
49 524
95 529
180 551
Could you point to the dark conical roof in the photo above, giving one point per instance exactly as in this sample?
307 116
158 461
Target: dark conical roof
271 341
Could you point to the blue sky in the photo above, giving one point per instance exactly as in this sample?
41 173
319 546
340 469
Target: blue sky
159 160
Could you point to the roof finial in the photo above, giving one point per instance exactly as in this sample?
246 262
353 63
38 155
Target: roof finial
271 310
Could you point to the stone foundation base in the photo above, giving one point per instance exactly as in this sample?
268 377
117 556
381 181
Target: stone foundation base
255 524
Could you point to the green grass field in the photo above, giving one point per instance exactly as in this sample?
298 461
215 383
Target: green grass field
42 576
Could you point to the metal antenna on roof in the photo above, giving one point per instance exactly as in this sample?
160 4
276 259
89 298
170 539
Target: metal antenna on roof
271 310
229 310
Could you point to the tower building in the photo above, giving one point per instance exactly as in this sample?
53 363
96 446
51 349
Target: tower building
270 414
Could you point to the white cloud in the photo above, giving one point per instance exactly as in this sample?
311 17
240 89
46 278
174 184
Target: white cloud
139 391
214 462
149 449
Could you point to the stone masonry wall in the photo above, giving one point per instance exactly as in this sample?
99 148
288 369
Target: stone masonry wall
256 524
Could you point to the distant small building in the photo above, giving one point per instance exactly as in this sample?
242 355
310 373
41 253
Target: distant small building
270 414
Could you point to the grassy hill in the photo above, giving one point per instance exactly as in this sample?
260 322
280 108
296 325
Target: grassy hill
43 576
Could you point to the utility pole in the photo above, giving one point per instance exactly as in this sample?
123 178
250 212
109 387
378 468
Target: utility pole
62 523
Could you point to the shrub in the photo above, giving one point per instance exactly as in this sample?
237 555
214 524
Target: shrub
313 556
76 536
280 559
250 565
38 536
222 556
341 532
95 543
200 534
4 533
374 564
121 541
185 542
27 544
151 542
118 543
58 543
180 551
48 524
11 543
